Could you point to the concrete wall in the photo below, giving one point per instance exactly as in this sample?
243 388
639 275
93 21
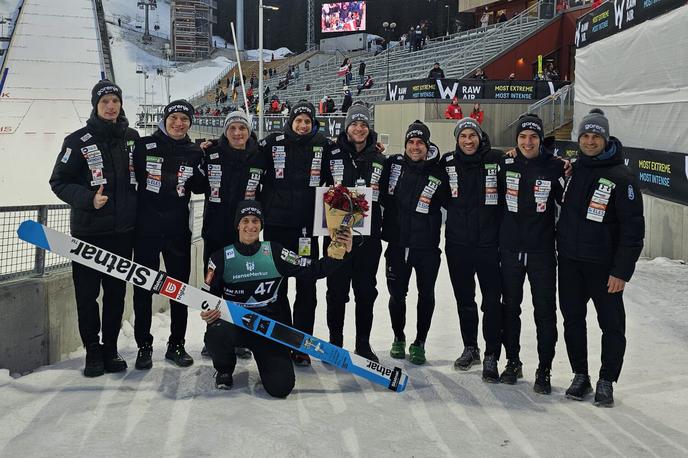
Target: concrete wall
39 322
393 117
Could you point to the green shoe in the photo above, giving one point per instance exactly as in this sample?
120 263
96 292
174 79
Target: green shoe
398 349
417 354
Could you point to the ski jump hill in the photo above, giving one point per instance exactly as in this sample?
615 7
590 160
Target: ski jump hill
53 60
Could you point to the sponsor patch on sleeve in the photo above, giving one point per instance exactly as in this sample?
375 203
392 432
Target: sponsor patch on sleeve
65 157
631 193
290 257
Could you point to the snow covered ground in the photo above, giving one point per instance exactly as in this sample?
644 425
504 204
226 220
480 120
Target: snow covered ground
169 411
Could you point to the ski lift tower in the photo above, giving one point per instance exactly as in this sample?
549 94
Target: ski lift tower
147 5
310 26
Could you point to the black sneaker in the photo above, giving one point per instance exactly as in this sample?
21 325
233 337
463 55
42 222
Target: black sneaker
144 358
580 387
512 372
364 350
178 355
604 394
469 357
224 381
242 353
94 366
112 361
490 374
205 352
300 359
542 383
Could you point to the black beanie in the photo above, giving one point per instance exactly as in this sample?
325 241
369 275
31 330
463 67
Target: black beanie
532 122
302 107
248 208
179 106
102 88
418 130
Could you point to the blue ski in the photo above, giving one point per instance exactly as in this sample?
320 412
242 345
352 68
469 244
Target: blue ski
160 283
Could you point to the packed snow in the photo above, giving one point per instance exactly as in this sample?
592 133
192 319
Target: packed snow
279 53
169 411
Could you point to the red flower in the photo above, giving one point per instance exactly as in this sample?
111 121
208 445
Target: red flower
341 198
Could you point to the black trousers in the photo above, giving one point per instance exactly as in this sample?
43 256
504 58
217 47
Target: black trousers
360 273
176 252
306 298
578 283
87 284
541 270
464 263
399 262
273 360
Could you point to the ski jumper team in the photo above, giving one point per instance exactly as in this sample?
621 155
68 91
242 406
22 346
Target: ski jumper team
523 213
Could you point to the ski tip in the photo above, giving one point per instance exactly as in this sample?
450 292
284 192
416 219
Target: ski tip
402 384
32 232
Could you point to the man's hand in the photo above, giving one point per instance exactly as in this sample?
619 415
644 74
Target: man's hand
511 152
344 237
206 144
568 168
380 147
615 285
210 316
99 200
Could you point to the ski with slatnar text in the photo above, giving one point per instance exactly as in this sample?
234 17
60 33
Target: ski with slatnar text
160 283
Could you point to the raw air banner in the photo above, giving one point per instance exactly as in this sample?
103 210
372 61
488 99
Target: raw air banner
471 89
660 174
617 15
160 283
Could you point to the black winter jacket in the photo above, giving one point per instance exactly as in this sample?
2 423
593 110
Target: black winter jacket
412 196
230 180
473 211
100 153
291 166
528 191
601 217
345 165
168 171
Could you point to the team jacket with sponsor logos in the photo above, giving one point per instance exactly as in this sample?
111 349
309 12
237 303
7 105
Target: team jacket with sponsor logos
346 166
167 171
292 169
251 274
98 154
601 217
412 196
230 180
473 210
528 190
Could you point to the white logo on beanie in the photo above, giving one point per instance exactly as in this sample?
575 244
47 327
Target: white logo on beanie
594 128
529 125
107 90
299 110
415 133
359 117
175 108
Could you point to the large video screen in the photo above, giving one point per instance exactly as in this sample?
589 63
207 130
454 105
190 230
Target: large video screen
343 17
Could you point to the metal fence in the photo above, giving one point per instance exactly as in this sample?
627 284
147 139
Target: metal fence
19 259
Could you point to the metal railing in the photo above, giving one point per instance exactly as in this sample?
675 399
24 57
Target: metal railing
555 110
19 259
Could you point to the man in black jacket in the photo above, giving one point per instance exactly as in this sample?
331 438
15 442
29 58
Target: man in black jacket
436 72
94 175
355 161
168 169
472 230
292 163
530 184
413 190
599 239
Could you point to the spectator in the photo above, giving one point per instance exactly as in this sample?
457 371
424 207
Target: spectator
477 113
484 20
502 17
329 105
366 85
418 39
402 41
361 71
119 21
596 3
479 74
453 110
551 74
436 72
347 102
307 65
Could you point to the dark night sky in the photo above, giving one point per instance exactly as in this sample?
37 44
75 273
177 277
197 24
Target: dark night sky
287 27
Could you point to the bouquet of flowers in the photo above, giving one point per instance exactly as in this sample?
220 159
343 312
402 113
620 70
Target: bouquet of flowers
343 208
